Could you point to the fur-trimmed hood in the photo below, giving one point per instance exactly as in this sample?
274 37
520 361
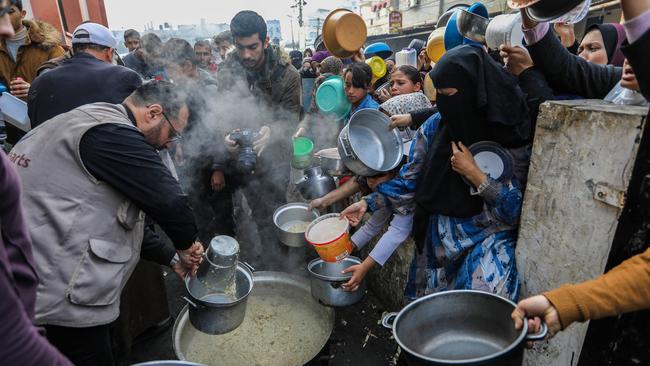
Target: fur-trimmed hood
42 34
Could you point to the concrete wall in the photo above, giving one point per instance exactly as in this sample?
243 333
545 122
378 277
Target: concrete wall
581 148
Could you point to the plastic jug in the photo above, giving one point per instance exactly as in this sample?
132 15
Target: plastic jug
406 56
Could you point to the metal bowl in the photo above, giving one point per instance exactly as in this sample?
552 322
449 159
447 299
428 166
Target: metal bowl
472 26
293 212
327 279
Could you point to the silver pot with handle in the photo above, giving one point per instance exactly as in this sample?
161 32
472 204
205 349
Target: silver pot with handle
327 280
216 312
463 327
367 146
291 222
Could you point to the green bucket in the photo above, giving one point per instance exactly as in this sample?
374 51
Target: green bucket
302 149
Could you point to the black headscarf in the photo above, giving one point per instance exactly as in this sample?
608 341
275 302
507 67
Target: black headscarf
489 106
613 38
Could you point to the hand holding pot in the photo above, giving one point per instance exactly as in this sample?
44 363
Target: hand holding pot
383 95
318 204
359 272
354 213
537 306
400 121
516 58
462 162
566 32
191 257
260 144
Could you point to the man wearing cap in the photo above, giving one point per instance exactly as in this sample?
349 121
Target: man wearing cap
88 77
34 43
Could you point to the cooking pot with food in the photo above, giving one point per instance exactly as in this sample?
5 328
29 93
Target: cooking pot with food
463 327
291 222
329 236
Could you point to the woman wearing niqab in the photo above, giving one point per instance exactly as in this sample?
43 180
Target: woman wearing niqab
466 235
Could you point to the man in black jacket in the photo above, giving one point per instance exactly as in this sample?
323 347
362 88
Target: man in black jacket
87 77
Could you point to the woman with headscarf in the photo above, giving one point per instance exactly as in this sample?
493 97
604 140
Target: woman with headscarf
466 232
602 44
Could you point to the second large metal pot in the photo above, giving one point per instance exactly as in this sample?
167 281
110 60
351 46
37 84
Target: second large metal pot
327 280
215 313
367 146
462 327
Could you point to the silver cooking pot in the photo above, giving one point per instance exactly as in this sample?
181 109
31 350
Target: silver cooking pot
326 281
293 212
215 314
463 327
367 146
293 289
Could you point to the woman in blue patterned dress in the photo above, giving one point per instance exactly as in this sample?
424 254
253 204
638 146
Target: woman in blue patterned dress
466 234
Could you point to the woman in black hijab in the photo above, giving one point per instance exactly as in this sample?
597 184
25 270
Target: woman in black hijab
466 240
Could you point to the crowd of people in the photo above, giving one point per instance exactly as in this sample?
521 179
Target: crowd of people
122 150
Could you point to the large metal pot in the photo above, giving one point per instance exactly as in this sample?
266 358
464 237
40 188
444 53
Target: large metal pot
462 327
289 214
215 313
326 281
263 338
367 146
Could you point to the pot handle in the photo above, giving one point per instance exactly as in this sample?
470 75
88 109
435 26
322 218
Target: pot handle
539 336
190 302
347 149
245 264
388 319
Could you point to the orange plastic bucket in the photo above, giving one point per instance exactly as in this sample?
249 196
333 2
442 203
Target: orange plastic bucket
329 235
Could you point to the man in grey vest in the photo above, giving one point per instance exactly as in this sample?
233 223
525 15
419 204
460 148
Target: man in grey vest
89 176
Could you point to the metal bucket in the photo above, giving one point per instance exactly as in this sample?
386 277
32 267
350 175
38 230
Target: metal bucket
214 313
326 281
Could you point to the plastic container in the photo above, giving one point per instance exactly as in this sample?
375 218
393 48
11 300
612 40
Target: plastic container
302 149
436 44
378 67
329 235
331 98
407 56
505 29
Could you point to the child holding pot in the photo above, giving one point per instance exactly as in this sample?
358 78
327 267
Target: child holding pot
392 200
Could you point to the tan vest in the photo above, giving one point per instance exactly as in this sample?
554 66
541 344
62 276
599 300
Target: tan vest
86 235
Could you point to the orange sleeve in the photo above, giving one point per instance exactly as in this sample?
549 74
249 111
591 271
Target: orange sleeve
624 289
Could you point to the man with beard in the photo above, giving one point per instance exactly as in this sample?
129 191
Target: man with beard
264 73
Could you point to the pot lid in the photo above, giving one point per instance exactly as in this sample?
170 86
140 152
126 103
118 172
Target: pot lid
493 160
